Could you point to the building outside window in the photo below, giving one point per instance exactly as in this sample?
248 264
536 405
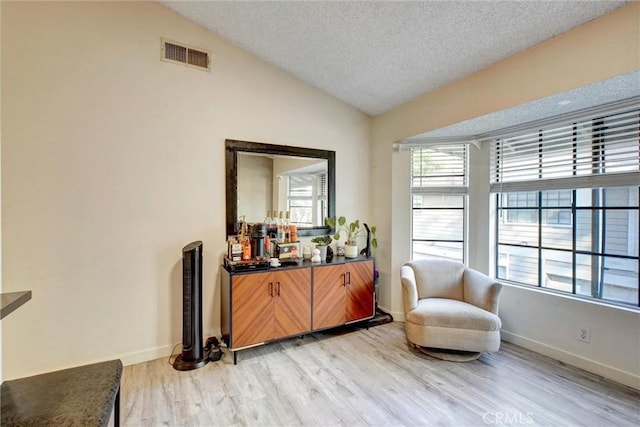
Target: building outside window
439 201
567 207
521 207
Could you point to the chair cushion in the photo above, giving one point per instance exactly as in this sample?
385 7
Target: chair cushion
448 313
438 278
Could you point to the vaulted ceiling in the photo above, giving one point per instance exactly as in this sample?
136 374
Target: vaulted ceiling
376 55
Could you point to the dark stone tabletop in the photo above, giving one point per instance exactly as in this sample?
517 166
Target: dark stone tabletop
82 396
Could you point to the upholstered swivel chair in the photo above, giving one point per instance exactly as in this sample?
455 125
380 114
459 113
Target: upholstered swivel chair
448 306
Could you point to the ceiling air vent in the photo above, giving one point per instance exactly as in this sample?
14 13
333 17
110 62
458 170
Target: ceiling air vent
181 53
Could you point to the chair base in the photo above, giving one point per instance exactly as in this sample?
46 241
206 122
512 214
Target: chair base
449 355
467 340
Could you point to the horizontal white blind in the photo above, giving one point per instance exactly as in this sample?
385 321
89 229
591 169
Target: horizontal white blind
439 169
600 151
322 191
302 186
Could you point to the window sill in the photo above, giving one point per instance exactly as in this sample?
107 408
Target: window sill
559 294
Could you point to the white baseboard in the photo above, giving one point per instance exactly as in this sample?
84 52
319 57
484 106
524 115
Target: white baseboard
592 366
158 352
397 316
147 355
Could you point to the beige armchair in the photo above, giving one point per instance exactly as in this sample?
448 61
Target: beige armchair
448 306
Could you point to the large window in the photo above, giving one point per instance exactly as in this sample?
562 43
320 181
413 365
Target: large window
439 199
567 206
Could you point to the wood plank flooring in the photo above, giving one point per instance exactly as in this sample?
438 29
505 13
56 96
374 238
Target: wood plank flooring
358 377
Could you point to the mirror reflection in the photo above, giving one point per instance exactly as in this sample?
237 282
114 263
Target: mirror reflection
268 183
263 178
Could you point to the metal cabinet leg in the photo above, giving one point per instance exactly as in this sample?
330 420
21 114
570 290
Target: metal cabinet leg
116 409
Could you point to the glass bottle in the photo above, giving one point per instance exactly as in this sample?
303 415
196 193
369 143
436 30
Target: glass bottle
280 226
293 232
287 230
268 220
246 250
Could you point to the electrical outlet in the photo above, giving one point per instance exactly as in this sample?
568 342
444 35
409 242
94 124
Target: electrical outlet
584 334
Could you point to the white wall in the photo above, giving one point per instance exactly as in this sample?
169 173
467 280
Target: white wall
549 324
113 160
549 68
255 186
1 375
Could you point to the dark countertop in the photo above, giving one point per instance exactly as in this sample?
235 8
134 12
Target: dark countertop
80 396
12 300
300 263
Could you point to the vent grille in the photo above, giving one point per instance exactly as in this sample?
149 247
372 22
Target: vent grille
180 53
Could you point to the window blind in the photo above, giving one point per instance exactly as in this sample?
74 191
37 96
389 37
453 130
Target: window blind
322 191
303 185
439 169
598 151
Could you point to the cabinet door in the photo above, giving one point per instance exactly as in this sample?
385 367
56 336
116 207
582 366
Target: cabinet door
293 302
360 298
329 296
252 309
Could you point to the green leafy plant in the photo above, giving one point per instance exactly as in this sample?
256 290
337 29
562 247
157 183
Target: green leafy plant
322 240
351 230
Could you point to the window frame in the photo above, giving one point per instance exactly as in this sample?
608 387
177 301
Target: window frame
604 140
539 205
318 197
460 190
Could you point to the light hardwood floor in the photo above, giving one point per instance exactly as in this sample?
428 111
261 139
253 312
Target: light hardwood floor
357 377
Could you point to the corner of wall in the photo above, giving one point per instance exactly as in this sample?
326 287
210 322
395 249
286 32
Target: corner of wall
1 185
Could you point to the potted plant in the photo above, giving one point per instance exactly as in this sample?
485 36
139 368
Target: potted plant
352 231
322 243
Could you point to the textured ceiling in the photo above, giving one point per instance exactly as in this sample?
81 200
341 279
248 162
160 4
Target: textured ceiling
593 95
376 55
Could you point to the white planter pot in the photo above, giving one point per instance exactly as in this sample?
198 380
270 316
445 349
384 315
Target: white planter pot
351 251
323 252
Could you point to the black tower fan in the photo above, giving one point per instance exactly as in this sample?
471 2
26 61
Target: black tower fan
192 356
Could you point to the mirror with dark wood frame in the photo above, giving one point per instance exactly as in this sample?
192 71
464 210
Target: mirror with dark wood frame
251 194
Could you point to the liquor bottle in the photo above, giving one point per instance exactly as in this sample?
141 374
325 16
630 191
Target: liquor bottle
242 230
267 246
287 230
267 219
281 232
293 233
246 250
